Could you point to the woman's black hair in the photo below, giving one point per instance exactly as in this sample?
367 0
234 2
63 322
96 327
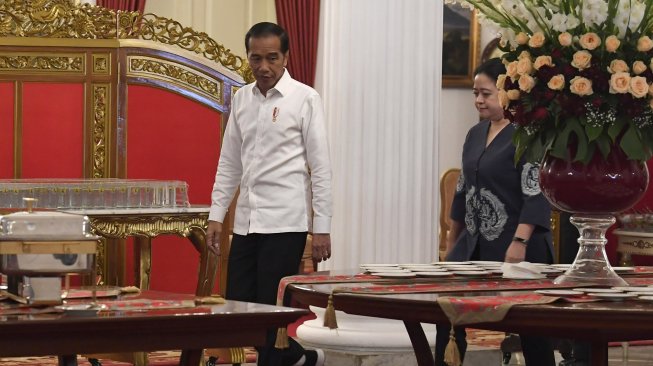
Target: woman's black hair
492 68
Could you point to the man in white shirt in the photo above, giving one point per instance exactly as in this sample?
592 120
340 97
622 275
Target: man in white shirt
275 148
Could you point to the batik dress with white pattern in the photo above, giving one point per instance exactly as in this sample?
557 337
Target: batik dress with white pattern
494 195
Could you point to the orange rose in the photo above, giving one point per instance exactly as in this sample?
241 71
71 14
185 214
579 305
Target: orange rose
524 54
501 81
619 83
618 66
565 39
581 86
521 38
650 90
511 70
513 94
638 87
526 83
644 44
639 67
581 60
542 61
589 41
503 99
612 43
557 82
537 40
524 66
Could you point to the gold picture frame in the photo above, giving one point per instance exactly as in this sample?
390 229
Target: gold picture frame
460 46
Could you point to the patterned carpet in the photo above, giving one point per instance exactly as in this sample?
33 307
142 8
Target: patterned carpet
162 358
484 338
476 337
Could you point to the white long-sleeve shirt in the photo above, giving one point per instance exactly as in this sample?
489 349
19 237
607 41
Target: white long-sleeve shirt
269 146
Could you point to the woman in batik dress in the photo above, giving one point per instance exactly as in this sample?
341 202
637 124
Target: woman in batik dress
498 211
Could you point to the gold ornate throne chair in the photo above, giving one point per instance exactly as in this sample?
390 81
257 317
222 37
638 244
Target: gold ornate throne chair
87 92
92 87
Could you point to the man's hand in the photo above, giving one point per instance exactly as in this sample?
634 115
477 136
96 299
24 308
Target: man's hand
213 233
321 247
516 252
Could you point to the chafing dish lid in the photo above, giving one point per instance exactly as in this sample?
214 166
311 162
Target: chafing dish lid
44 225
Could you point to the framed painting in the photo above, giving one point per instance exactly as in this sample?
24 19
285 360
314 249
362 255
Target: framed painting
460 46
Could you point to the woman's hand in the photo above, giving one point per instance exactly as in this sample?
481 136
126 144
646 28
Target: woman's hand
450 244
516 252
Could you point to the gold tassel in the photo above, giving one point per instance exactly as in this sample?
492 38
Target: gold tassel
452 353
282 338
330 315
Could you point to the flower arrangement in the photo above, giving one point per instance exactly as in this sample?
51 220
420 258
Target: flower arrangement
579 75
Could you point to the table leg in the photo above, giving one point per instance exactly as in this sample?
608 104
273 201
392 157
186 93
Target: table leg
420 343
113 262
190 357
208 263
143 256
599 353
67 360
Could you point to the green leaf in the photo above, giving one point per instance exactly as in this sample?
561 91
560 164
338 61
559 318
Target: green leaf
593 132
559 147
632 145
582 150
589 153
615 129
549 139
536 150
604 144
523 141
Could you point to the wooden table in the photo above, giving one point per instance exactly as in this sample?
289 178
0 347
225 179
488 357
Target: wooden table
234 324
597 322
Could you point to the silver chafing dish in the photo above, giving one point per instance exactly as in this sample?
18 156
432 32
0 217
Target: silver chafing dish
38 248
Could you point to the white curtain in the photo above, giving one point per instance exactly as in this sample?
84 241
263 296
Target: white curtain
379 74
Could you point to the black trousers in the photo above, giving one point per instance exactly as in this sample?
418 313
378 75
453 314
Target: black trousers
538 351
257 263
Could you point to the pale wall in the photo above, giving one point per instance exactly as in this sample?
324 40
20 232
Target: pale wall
226 21
458 114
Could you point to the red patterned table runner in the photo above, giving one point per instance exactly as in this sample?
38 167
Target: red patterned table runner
406 286
482 309
643 270
321 279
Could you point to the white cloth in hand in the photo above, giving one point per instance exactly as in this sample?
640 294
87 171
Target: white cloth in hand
521 270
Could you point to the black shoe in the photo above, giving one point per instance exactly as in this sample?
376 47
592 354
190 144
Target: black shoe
314 357
573 362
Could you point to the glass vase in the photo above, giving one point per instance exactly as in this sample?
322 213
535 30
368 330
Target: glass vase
593 193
